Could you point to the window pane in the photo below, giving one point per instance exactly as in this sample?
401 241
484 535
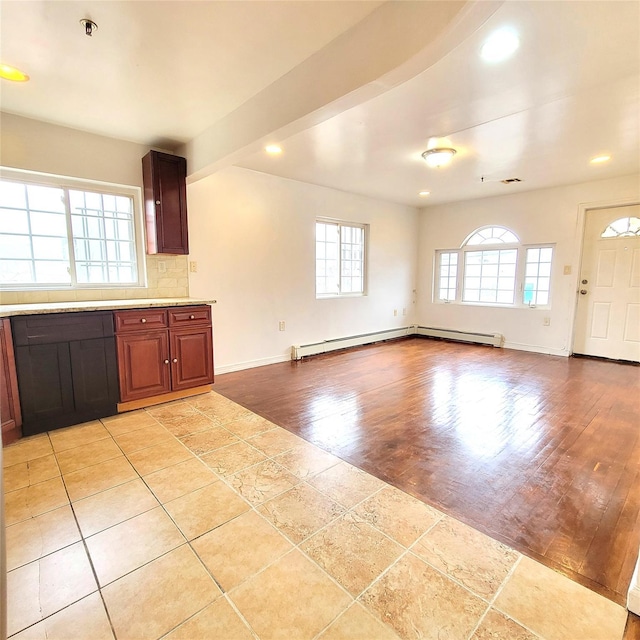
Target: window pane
45 198
13 195
13 221
15 247
49 224
537 276
493 278
52 272
50 248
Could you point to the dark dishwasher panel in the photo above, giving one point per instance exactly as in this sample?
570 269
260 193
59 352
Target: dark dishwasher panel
66 366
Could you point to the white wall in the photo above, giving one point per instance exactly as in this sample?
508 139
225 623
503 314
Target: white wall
252 236
541 216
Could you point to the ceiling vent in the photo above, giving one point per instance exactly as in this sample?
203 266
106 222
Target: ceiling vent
510 180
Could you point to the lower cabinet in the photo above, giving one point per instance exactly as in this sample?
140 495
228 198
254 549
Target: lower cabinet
10 413
163 350
66 366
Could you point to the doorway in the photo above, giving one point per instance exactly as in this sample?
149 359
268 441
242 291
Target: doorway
608 310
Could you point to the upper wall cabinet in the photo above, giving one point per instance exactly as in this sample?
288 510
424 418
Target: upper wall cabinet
165 201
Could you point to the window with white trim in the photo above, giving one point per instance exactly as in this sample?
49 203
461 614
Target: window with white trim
493 268
68 233
340 258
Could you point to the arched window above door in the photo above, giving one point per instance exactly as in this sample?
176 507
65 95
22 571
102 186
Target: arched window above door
622 227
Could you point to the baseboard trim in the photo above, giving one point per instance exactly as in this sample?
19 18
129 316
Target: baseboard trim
250 364
532 348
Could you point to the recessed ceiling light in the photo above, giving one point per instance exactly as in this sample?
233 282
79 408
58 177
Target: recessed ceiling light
11 73
500 45
273 149
599 159
424 194
438 156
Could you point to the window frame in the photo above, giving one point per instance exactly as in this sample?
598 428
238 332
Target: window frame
365 239
68 183
519 279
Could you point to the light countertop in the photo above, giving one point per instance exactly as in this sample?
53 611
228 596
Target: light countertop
7 310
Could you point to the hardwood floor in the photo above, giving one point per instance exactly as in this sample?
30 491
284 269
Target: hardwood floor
540 452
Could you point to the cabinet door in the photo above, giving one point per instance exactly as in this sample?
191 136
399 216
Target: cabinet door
191 357
9 404
143 364
94 370
46 386
165 194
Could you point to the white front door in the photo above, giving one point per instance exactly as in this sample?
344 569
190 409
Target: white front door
608 313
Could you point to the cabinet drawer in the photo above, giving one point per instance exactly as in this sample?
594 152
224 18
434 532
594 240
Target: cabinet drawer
190 316
61 327
140 320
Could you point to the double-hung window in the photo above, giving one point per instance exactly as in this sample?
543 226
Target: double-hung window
493 268
340 258
67 233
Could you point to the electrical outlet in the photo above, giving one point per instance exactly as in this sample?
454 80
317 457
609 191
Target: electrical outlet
404 311
567 270
193 266
162 267
281 325
546 321
395 312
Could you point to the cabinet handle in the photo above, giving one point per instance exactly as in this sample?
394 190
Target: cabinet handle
157 201
192 317
143 320
175 360
166 362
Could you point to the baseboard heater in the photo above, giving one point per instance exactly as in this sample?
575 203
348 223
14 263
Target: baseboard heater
300 351
492 339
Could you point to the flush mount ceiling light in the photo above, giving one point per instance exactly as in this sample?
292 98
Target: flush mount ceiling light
599 159
438 156
273 149
424 194
11 73
500 45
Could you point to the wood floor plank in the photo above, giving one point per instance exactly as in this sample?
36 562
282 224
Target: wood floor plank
541 452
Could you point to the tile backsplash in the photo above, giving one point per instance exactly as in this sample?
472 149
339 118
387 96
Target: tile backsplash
171 282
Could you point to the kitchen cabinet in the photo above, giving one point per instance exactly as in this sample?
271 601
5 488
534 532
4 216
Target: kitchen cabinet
10 413
163 350
66 368
165 200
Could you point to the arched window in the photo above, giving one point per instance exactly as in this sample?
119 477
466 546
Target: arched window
492 235
622 227
491 266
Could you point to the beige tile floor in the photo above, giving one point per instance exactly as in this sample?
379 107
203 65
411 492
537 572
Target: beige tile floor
199 519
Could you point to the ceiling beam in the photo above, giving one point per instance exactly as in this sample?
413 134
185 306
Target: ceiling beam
391 45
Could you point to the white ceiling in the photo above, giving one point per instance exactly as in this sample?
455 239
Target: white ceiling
165 73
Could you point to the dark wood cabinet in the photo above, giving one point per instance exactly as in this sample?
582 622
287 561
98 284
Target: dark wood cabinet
10 413
143 364
66 368
165 200
191 362
163 350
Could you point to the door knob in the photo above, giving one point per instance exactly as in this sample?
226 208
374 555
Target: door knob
583 292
